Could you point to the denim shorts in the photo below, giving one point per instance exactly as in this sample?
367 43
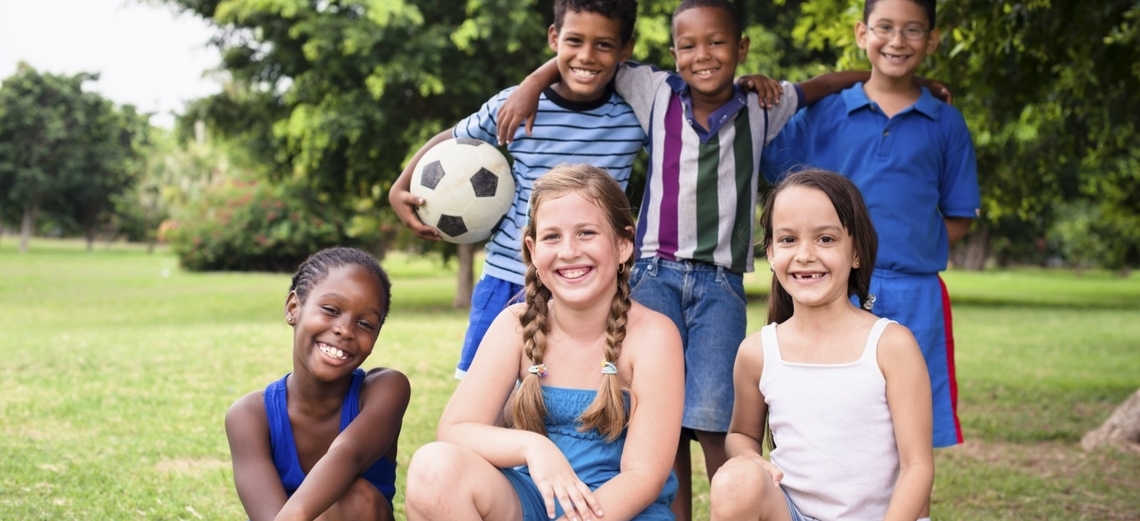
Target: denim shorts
707 305
490 297
793 510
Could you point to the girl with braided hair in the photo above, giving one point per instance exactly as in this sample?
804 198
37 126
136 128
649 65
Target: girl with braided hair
591 431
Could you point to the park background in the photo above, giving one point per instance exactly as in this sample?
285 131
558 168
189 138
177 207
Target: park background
121 349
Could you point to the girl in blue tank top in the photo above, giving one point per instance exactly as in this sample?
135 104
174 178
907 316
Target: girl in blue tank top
592 428
322 439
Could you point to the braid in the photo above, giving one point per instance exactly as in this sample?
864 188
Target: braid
315 268
529 411
608 412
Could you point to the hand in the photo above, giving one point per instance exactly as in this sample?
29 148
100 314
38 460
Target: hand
521 105
768 90
936 88
555 479
774 471
405 204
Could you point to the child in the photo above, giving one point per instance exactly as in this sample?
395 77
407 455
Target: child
582 119
587 440
322 440
912 158
845 394
694 235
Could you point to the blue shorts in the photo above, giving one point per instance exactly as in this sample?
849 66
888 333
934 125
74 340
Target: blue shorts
921 303
489 298
707 305
793 510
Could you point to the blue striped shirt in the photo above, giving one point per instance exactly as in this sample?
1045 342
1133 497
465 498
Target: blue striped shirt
604 133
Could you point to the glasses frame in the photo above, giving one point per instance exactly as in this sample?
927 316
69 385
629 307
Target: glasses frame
912 33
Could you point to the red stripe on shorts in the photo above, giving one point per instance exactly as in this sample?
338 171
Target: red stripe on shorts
949 328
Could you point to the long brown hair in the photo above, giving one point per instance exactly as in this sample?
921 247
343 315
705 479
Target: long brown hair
608 412
854 217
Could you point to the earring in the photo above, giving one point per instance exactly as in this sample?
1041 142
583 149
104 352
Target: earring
621 268
772 269
856 265
289 318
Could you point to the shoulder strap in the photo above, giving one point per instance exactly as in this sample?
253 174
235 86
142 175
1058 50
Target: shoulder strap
871 350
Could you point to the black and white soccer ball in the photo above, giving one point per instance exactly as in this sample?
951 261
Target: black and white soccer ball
467 187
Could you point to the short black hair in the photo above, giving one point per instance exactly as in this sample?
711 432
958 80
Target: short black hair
926 5
624 11
726 5
318 265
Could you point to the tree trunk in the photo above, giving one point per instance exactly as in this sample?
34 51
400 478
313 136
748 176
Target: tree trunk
1120 430
90 235
26 226
977 248
466 279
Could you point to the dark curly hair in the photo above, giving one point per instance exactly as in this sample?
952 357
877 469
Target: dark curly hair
317 267
624 11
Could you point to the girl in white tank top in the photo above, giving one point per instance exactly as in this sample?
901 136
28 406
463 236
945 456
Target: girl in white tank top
844 395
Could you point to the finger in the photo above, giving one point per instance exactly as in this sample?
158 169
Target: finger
591 501
530 122
574 502
548 498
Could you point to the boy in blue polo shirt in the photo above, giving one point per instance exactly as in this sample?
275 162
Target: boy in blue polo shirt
580 119
912 158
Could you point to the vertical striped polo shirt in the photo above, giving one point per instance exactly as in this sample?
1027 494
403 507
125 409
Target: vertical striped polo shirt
700 194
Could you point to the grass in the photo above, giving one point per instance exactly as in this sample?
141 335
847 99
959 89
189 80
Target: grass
116 368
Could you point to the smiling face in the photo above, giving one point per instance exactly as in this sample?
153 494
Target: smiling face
811 252
883 37
575 250
335 328
707 48
589 48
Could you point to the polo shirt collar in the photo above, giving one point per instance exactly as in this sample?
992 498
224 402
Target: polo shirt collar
855 98
720 117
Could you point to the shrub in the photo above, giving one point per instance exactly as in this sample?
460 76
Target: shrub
252 226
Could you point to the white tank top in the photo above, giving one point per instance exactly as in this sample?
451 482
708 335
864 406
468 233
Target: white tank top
833 432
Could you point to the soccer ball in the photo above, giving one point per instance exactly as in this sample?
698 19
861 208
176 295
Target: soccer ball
467 187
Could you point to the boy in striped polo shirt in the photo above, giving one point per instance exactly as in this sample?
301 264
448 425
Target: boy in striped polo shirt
694 233
580 120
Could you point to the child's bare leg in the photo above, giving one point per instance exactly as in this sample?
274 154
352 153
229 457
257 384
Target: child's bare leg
446 481
363 501
712 443
743 490
682 506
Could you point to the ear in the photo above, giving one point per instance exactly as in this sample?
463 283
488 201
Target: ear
292 305
626 52
625 246
935 36
552 38
528 243
861 35
673 53
742 49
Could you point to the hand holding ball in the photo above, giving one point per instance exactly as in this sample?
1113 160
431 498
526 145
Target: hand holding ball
467 187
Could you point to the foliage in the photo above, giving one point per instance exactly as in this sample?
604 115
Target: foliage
63 151
238 225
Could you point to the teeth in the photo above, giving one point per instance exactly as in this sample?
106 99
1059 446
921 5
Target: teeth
573 274
805 277
333 352
584 73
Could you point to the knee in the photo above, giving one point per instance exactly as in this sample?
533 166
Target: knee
736 486
431 473
363 500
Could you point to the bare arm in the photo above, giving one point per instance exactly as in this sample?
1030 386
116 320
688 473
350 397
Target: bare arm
522 104
746 432
829 83
908 397
956 228
470 419
255 476
658 388
401 198
372 435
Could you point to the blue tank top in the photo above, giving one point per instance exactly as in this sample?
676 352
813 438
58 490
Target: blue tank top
382 474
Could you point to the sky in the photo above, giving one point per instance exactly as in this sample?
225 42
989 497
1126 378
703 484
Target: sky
147 56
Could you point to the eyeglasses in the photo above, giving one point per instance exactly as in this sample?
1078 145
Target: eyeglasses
910 32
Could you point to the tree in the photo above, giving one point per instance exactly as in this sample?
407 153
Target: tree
37 159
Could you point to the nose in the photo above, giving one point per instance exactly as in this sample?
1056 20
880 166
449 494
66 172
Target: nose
568 249
586 54
343 326
805 252
897 38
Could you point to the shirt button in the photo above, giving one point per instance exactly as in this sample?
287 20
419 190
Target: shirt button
886 133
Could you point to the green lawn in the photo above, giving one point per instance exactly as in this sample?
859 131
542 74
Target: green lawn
116 368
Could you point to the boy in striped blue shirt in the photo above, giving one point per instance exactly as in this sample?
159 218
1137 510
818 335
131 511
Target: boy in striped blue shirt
580 120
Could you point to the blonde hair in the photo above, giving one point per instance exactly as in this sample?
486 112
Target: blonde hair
608 412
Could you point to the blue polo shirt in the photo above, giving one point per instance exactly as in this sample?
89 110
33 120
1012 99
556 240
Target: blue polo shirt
912 169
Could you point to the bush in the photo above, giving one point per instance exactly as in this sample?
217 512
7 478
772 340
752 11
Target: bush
252 226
